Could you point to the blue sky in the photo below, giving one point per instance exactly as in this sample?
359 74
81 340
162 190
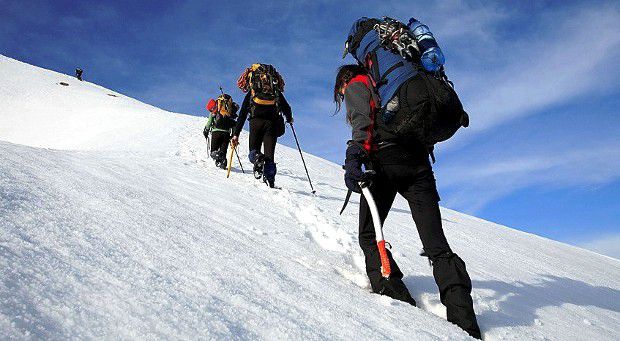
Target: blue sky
539 80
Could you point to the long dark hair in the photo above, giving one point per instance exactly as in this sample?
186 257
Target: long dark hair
344 76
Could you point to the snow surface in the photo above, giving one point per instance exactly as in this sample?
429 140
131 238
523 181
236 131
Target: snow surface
114 224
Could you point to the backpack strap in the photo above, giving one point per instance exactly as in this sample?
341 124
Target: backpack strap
390 70
371 64
431 152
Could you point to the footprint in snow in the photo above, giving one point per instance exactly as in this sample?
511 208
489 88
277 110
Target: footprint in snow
355 277
259 232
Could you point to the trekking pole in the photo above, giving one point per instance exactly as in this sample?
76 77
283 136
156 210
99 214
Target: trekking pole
302 157
385 260
232 151
238 159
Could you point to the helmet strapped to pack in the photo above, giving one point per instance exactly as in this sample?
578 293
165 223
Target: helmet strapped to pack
263 82
359 28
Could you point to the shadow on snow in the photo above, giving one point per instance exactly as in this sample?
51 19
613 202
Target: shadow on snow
517 303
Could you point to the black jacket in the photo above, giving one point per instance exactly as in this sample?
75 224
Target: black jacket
267 112
385 148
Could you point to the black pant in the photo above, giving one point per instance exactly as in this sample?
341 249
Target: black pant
219 145
417 186
262 134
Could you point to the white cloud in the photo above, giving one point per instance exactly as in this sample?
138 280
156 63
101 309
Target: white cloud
547 68
608 245
566 54
473 184
557 55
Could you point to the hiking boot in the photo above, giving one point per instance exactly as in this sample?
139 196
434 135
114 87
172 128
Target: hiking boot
455 291
220 164
396 289
259 165
270 182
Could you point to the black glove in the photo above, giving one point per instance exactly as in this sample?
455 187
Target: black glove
353 167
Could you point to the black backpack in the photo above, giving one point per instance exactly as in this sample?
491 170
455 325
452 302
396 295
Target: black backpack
225 122
429 110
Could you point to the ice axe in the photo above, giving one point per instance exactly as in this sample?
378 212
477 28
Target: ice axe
232 152
383 256
208 145
207 133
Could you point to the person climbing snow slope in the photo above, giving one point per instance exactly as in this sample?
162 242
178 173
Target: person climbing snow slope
385 94
266 104
223 112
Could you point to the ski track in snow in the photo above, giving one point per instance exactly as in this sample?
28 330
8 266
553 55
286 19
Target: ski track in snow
130 231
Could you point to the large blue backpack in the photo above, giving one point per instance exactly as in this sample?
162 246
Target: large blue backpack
396 54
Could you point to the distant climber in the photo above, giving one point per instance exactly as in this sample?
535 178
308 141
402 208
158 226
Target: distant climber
78 74
387 96
266 104
222 119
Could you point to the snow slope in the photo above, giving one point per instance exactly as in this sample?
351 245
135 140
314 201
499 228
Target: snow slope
114 224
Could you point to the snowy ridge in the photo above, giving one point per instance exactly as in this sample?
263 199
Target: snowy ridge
124 229
38 111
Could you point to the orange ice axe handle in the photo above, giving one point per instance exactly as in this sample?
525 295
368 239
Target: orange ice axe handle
385 260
